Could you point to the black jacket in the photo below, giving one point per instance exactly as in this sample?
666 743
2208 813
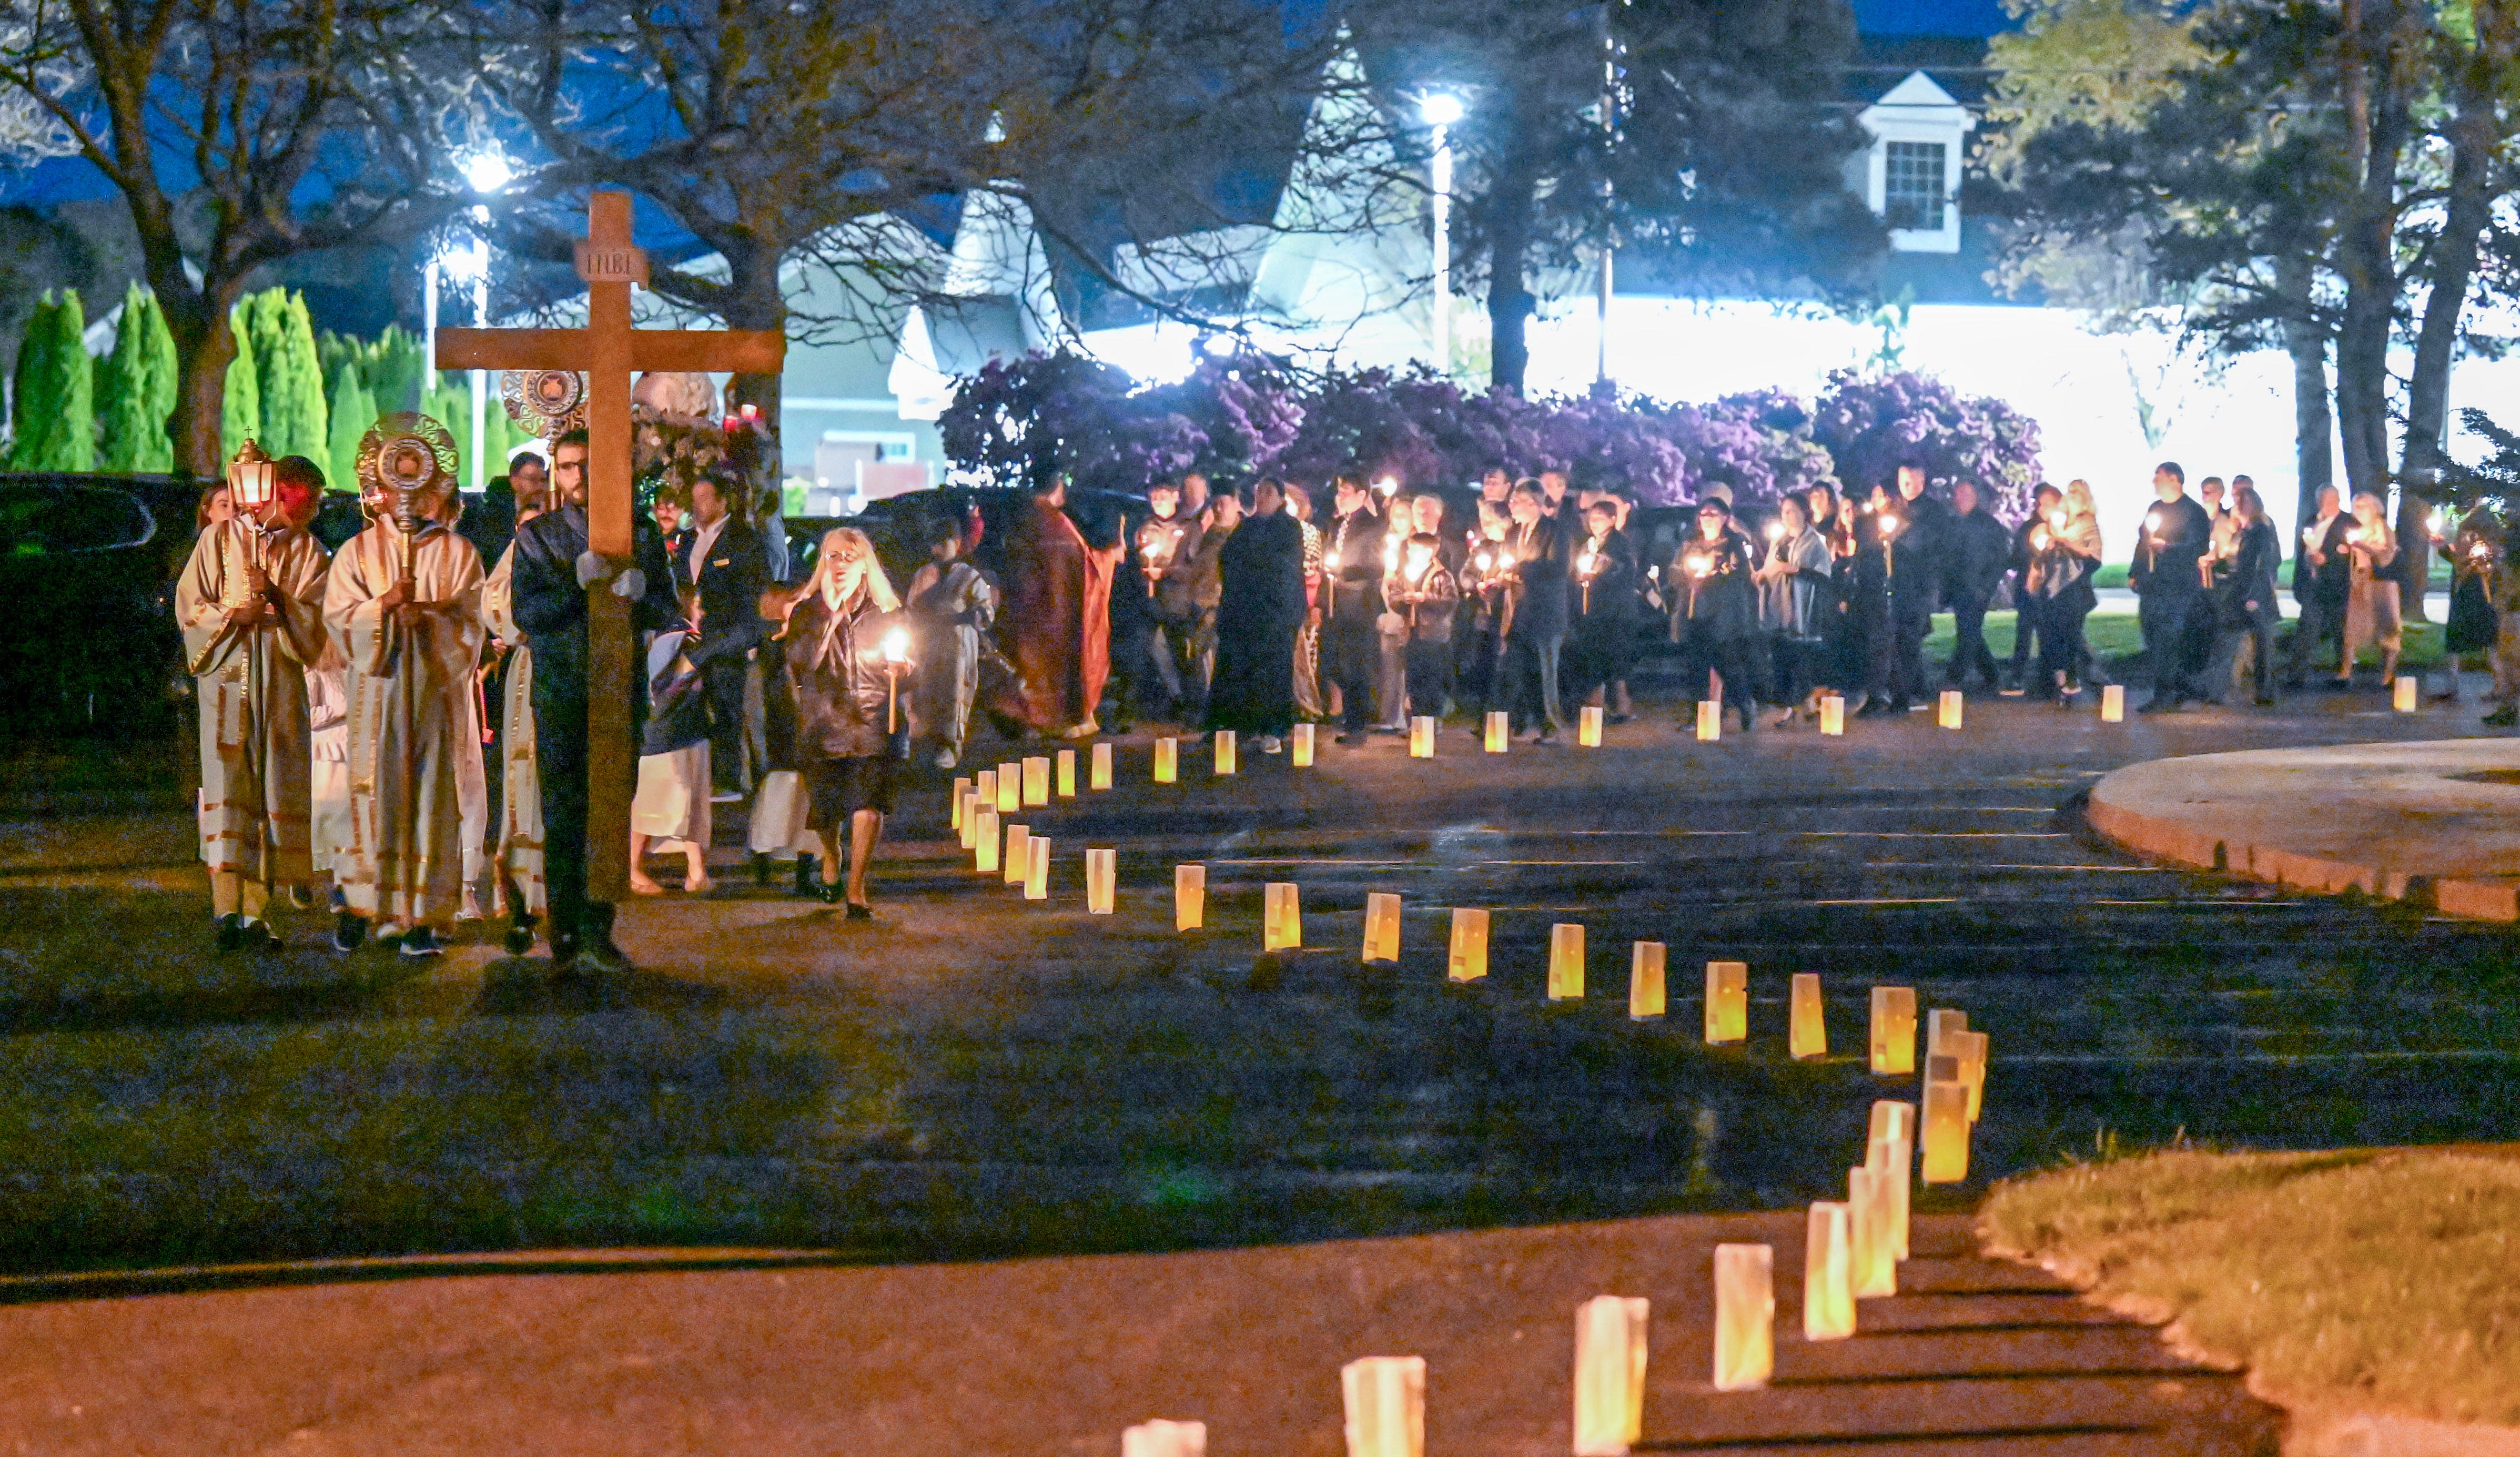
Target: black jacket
2332 581
848 704
1356 585
2167 544
551 606
1260 570
1535 591
1978 552
2250 577
730 586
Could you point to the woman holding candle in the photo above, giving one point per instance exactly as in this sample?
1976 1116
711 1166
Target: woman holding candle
846 652
2371 602
2245 608
2472 626
2064 555
1606 594
1793 595
1715 613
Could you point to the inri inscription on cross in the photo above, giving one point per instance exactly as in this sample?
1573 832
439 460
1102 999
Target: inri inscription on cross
609 352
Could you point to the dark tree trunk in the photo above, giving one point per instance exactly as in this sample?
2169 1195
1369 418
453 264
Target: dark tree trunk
1511 203
2472 136
206 345
754 300
2312 424
2377 113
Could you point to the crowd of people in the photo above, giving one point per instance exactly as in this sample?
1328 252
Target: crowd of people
349 744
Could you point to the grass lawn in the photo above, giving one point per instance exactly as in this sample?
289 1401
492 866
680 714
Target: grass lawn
2116 637
2375 1277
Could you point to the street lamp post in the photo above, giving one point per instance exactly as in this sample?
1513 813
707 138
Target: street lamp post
487 174
1441 111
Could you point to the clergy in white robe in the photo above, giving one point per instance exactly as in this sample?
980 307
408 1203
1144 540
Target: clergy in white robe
250 602
411 651
517 849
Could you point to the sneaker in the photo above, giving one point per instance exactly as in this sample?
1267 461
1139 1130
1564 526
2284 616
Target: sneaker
257 935
726 797
348 932
520 936
228 938
419 942
1271 744
947 758
2012 693
1390 728
1347 738
598 954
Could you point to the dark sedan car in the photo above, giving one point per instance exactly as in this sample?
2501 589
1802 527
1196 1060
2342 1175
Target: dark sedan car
88 566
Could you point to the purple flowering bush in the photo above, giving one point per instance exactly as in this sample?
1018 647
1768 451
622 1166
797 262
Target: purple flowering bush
1247 412
1871 425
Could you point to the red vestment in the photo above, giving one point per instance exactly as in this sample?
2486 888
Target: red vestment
1057 625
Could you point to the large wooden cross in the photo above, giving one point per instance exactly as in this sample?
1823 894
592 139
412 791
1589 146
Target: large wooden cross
609 351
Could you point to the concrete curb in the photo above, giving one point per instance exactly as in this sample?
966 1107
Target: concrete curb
2435 823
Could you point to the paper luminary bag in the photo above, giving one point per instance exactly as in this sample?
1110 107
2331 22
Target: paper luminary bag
1828 1292
1587 726
1947 1131
1281 918
1102 881
1189 897
1067 774
1036 881
1162 1439
1873 1252
1382 926
1610 1375
1167 760
1710 720
1098 777
1016 863
1894 1031
1833 715
1384 1404
1947 711
1422 738
1009 788
1728 1002
1500 733
1224 753
1300 745
962 793
1745 1316
1645 989
984 842
1807 1030
1036 783
1467 958
1565 962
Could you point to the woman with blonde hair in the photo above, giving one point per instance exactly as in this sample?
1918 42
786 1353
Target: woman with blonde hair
2371 602
2064 557
847 648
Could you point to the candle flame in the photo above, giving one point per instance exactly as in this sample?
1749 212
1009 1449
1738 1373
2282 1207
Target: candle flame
896 645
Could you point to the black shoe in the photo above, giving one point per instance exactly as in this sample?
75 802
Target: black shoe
1617 717
2266 701
597 953
1347 738
1875 710
228 937
563 949
419 942
828 892
861 912
761 867
257 936
349 930
521 934
808 874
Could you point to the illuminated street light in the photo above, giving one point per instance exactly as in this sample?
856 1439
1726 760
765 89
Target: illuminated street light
1441 109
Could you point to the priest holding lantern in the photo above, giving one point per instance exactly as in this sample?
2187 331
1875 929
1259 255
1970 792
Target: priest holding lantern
252 605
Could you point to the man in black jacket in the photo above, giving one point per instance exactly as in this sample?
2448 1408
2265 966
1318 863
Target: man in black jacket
2027 623
2322 577
1923 550
554 571
1351 643
1978 551
724 568
2169 589
1535 612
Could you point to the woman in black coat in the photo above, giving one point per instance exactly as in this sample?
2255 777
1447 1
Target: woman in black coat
2244 598
1715 612
1259 611
847 648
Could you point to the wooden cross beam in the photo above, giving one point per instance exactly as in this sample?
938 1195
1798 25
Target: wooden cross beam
608 353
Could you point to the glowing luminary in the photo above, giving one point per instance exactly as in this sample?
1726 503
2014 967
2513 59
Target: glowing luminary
1745 1316
1422 738
1894 1031
1009 788
1300 745
1189 897
1036 882
1016 863
1970 1049
1099 775
1036 783
1610 1375
1947 1131
962 793
1565 962
1102 881
1807 1028
1223 752
1892 1149
2113 704
1467 958
1160 1439
1281 918
1167 760
2401 694
971 818
1067 774
1646 965
987 785
1500 733
1384 1400
1828 1287
984 842
1940 1023
1833 714
1710 720
1381 926
1588 727
1947 708
1873 1253
1728 1001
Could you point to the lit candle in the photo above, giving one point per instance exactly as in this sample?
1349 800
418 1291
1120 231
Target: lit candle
1894 1031
1466 959
1728 1002
896 656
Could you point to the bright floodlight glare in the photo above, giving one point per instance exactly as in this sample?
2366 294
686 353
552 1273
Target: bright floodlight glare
488 171
1220 345
1440 107
467 264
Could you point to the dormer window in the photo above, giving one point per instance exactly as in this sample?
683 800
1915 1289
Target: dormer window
1911 173
1912 186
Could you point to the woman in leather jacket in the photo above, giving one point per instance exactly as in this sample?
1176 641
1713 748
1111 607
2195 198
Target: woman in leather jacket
847 648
